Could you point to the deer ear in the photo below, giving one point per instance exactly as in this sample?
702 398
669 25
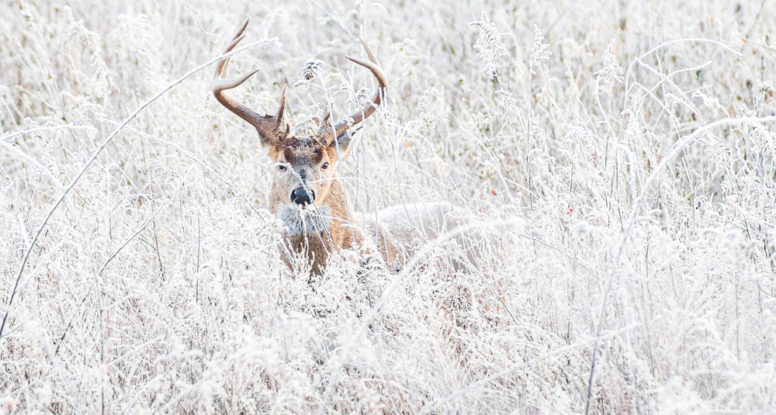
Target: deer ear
272 140
273 151
266 139
342 144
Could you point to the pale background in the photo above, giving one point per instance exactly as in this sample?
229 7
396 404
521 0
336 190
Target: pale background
622 154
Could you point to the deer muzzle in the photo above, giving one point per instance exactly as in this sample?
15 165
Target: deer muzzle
302 196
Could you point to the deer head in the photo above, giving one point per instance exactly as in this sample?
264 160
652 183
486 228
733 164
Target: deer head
305 162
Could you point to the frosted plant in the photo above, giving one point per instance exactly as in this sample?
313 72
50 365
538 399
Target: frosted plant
311 70
540 52
617 181
489 46
610 71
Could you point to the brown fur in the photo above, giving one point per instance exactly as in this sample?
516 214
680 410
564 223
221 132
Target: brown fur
306 167
342 233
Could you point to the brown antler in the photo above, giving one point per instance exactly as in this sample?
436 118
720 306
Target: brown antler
358 116
270 127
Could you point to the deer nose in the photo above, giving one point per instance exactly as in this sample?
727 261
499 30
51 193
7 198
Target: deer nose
300 196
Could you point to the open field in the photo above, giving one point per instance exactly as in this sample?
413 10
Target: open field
618 161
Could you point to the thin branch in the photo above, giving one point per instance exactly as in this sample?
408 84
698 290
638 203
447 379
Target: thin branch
94 156
636 208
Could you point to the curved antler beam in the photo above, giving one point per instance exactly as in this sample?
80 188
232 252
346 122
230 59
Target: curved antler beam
269 127
343 126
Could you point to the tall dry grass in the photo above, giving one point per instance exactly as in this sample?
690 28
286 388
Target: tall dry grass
620 158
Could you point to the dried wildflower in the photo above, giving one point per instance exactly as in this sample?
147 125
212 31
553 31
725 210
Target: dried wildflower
610 71
311 69
540 52
489 46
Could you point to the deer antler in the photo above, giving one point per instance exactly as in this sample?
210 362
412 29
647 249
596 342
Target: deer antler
269 127
343 126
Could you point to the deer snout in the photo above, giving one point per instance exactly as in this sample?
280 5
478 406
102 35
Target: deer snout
302 197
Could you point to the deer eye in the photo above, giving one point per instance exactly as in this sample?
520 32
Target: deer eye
281 167
325 165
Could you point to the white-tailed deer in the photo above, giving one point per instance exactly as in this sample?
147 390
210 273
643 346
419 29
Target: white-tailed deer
306 195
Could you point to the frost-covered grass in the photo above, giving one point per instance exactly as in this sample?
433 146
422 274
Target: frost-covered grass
619 160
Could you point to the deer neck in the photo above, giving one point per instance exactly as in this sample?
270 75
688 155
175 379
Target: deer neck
316 230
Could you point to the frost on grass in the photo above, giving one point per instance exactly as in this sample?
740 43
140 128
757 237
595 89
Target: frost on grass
620 180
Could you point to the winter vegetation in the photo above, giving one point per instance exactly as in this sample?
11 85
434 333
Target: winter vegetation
616 162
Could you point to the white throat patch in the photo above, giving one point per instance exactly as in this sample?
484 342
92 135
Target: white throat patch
298 221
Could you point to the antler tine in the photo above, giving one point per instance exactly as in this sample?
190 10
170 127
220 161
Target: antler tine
368 51
280 118
224 84
370 107
324 127
224 63
323 123
266 125
281 111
